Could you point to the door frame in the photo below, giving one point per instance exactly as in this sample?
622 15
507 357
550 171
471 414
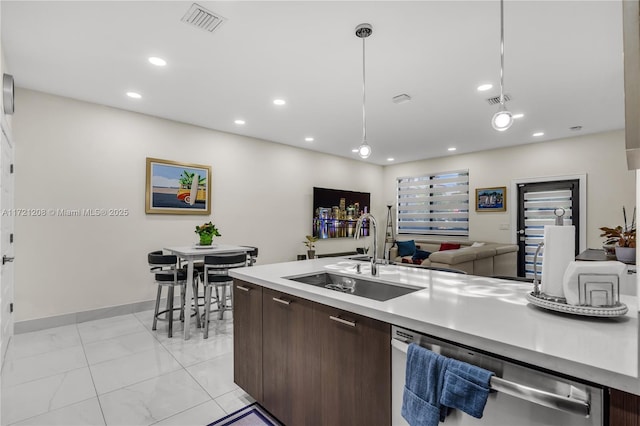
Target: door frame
513 201
6 130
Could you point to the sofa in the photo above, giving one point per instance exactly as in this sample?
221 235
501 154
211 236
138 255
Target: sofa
473 257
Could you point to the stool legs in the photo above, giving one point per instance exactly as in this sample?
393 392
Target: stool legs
170 310
222 305
195 302
155 312
207 312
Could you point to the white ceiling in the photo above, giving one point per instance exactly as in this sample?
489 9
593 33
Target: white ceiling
563 68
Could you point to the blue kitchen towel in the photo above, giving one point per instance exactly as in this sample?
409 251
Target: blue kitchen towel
424 380
466 387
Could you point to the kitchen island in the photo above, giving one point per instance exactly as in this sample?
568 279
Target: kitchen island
488 314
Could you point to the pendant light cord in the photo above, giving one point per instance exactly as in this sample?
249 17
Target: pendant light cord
501 52
364 113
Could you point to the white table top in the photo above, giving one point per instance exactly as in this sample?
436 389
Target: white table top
189 251
481 312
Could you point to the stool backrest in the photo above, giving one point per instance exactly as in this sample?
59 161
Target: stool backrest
163 264
216 267
225 261
252 255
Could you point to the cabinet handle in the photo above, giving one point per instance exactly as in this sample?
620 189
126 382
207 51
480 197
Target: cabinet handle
342 321
284 302
239 287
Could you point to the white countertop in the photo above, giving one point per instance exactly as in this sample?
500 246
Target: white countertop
484 313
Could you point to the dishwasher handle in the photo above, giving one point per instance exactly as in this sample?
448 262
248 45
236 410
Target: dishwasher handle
567 404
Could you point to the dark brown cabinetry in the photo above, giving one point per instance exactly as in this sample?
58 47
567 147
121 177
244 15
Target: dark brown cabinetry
624 409
317 365
355 368
247 337
288 356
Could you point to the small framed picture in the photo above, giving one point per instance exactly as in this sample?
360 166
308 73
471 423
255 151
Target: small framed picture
177 188
491 199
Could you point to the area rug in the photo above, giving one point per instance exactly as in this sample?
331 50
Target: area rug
251 415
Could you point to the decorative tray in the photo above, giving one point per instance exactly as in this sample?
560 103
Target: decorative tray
590 311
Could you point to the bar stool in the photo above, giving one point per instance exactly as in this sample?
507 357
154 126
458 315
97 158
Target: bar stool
167 273
216 276
252 255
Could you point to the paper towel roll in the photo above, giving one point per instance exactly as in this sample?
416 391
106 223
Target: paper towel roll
559 250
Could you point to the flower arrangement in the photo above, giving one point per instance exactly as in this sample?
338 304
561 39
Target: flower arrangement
622 236
207 232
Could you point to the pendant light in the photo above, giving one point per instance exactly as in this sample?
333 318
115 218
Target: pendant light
364 150
503 119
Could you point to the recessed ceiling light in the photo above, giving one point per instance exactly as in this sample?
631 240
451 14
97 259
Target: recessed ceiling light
538 134
239 121
390 159
518 115
451 149
159 62
355 150
134 95
308 139
484 87
279 102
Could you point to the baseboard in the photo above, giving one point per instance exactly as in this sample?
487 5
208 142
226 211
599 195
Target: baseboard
84 316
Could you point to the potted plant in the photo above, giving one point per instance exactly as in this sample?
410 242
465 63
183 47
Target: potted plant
207 232
623 238
311 253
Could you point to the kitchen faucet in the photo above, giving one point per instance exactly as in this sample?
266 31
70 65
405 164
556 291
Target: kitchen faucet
374 265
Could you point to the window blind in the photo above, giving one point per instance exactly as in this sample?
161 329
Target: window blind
434 204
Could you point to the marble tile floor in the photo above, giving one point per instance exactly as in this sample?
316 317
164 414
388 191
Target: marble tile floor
117 371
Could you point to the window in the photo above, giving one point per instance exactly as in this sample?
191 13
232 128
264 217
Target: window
436 204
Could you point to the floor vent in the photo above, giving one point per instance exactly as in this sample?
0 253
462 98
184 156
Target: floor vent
496 100
199 17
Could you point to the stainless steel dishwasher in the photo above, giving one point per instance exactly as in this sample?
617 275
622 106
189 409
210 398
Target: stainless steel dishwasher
523 396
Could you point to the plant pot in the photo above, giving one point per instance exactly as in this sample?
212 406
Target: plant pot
311 254
205 240
609 250
626 254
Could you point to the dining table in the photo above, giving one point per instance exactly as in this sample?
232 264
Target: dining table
194 253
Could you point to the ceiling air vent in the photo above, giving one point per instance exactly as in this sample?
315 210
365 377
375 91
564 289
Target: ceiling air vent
199 17
496 100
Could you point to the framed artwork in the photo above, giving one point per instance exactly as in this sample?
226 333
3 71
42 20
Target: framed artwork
177 188
491 199
336 212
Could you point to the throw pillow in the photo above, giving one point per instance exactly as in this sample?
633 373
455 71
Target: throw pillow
449 246
406 248
420 255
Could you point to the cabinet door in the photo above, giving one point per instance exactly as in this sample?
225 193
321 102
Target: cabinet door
355 368
624 409
289 358
247 337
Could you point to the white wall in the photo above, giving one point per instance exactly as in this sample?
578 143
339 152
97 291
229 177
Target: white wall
74 155
601 157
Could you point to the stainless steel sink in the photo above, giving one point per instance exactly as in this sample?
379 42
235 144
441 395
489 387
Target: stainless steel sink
357 286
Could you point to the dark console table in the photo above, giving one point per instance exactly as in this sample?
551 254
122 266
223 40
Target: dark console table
596 255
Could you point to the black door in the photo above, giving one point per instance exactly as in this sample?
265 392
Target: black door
536 205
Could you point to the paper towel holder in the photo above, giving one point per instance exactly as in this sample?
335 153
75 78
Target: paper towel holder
559 212
536 282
